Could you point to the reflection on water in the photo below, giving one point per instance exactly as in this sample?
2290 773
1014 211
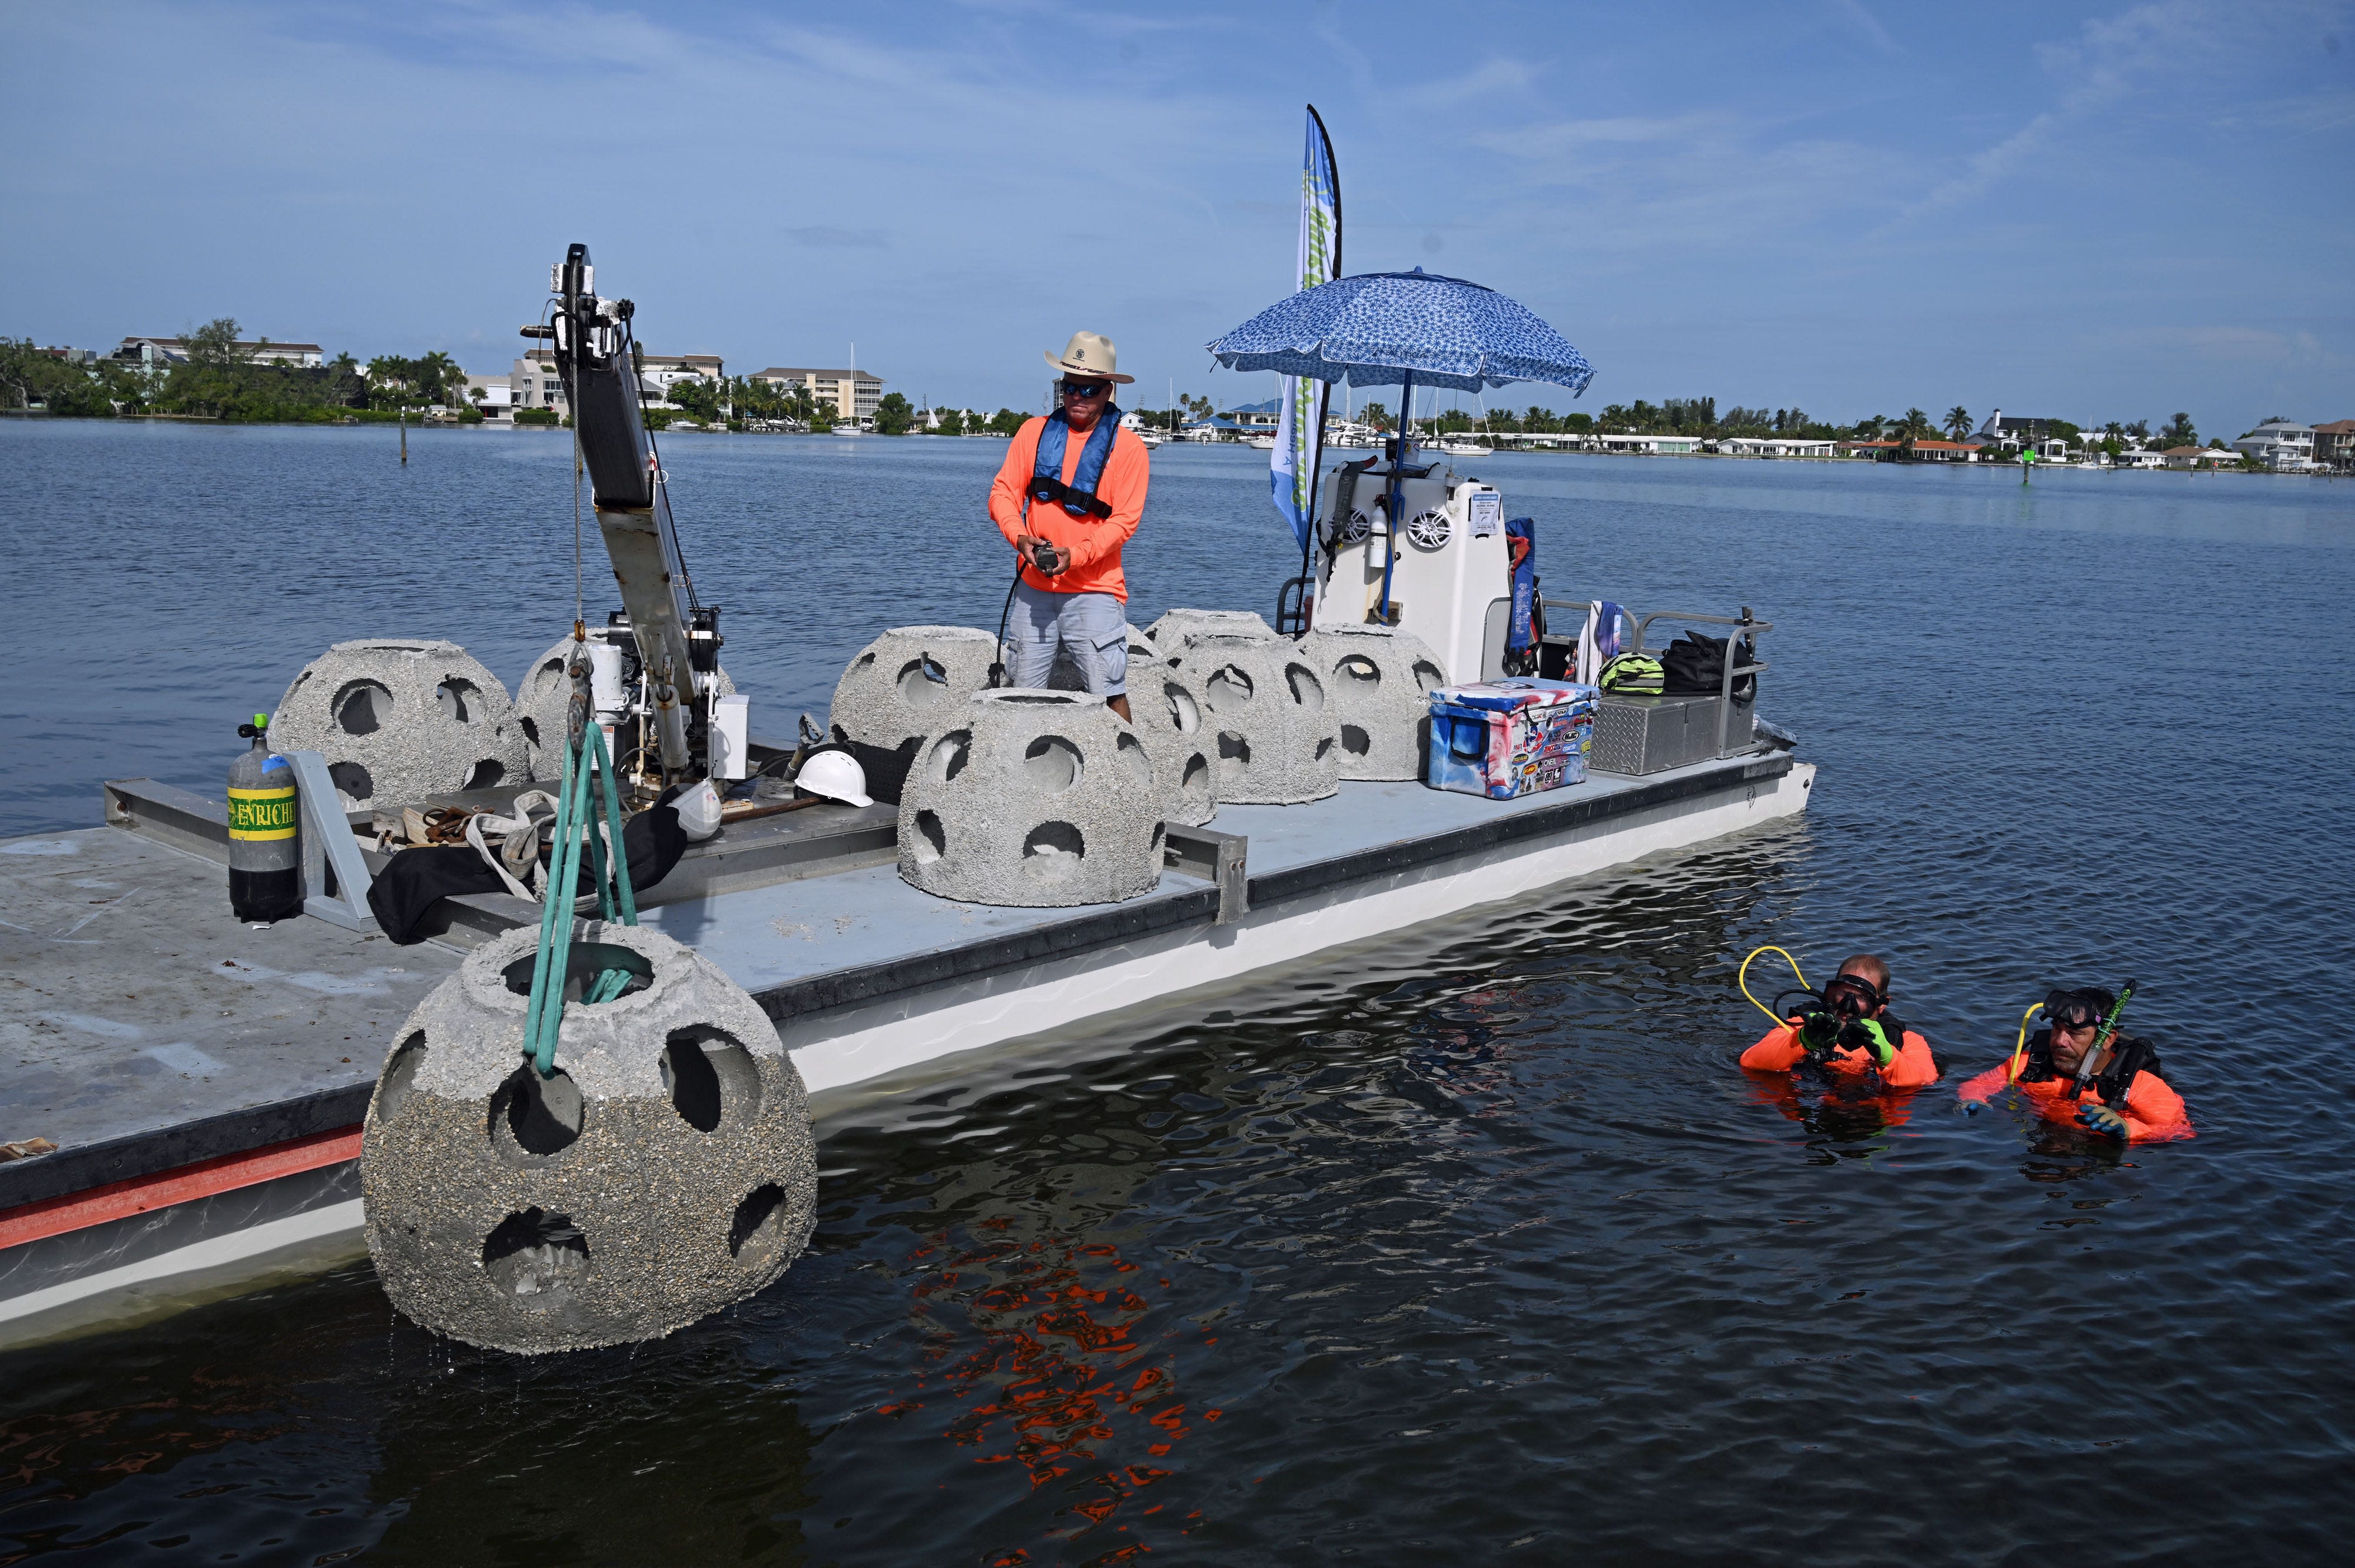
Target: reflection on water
1467 1244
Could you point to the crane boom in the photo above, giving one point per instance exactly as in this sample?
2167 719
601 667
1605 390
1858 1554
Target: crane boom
596 354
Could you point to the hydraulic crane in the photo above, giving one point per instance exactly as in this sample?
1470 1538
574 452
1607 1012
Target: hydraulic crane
671 642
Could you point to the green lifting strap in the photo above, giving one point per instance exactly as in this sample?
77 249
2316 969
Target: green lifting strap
588 772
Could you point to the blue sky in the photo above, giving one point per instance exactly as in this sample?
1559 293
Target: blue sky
2098 213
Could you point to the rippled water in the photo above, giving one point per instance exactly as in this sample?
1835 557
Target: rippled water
1471 1245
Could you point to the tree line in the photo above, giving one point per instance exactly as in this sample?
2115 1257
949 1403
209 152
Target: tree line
220 380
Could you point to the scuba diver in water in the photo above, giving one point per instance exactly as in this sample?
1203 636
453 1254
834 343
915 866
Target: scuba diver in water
2121 1097
1848 1035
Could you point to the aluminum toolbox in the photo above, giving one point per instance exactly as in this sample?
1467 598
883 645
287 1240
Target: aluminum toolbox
1651 735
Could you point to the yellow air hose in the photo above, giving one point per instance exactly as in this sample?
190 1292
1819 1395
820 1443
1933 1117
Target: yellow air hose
1741 979
2019 1051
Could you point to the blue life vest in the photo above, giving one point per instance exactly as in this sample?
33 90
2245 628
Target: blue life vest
1079 497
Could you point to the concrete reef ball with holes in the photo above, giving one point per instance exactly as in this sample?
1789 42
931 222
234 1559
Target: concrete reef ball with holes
665 1170
1069 496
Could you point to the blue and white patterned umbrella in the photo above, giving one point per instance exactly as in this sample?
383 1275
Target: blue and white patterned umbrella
1379 329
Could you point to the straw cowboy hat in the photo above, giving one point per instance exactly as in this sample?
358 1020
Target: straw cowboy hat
1091 355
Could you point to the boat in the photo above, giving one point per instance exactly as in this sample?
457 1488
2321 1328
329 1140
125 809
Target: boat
1262 443
237 1159
1466 449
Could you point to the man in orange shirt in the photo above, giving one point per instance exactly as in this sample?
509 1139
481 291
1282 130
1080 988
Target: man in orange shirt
1069 496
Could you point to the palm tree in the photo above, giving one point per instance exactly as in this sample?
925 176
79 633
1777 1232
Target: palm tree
1958 422
1871 429
1915 424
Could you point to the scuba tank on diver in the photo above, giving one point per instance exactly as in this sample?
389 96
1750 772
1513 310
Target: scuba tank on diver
265 862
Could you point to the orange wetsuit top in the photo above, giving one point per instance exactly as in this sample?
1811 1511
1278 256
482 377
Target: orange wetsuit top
1911 1068
1094 542
2154 1113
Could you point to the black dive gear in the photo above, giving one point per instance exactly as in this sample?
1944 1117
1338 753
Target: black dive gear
2129 1055
1853 996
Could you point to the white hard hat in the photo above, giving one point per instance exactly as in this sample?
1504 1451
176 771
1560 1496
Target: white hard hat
835 774
698 811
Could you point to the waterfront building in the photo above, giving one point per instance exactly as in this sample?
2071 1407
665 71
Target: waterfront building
1645 446
1772 446
534 384
659 373
2198 457
2282 445
851 394
2140 457
1972 451
494 396
162 353
2334 445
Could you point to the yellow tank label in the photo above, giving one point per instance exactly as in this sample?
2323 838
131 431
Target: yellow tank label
262 813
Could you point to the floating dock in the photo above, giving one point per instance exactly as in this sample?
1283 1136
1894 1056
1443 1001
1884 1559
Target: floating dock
202 1081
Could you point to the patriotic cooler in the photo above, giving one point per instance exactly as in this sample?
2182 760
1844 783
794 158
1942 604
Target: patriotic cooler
1505 739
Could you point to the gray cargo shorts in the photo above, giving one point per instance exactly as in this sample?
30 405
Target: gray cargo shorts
1092 629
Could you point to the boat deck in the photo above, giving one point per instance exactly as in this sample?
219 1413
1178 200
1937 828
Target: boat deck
149 1030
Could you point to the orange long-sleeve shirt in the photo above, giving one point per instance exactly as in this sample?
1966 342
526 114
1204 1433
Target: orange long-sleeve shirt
1911 1068
1094 542
2154 1112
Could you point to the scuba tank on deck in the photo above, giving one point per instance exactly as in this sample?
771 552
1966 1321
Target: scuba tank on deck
265 862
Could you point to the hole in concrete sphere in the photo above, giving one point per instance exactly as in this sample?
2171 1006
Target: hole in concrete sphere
759 1228
711 1078
1033 699
1324 748
351 778
1360 671
1306 689
584 964
399 1076
862 662
484 775
1427 675
922 682
1052 851
1356 741
947 758
362 708
1195 782
1160 839
1139 765
1227 689
530 729
1183 714
1052 763
533 1119
536 1258
551 668
1235 755
931 841
458 700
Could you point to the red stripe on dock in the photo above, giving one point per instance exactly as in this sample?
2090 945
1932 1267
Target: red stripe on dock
139 1195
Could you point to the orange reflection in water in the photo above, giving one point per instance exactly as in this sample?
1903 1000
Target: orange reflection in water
1061 1383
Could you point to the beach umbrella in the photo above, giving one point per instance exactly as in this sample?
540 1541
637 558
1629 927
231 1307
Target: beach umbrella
1379 329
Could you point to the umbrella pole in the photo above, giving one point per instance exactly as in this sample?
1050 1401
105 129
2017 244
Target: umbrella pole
1395 500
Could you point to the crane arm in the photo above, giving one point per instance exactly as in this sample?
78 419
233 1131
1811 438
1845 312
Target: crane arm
596 353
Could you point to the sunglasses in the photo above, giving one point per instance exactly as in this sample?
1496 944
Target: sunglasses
1086 388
